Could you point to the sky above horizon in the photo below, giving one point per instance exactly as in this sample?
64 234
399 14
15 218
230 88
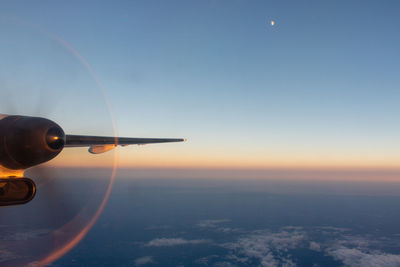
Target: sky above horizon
317 89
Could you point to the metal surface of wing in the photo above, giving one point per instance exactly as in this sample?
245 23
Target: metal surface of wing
86 141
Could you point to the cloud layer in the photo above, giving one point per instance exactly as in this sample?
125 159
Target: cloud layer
270 249
285 246
169 242
144 261
265 247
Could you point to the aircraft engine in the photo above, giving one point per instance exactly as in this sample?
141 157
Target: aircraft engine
29 141
15 191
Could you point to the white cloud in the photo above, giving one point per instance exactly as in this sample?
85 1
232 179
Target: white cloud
227 229
144 260
356 250
168 242
211 223
269 249
266 247
315 246
215 225
354 257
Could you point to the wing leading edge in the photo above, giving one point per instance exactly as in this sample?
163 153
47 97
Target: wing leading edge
100 144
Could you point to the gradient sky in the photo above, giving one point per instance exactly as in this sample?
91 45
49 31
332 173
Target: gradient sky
320 88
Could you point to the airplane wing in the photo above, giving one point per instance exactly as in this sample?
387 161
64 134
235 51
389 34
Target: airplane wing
100 144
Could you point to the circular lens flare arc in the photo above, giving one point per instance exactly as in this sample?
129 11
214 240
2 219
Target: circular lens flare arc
69 244
73 242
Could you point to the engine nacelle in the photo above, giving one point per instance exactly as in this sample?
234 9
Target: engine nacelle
16 191
29 141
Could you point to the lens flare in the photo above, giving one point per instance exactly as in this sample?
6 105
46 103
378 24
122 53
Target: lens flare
58 253
77 227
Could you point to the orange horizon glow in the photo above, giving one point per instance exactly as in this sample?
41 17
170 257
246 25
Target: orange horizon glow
142 165
168 158
289 174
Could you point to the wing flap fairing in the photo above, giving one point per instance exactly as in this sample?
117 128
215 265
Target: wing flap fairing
101 149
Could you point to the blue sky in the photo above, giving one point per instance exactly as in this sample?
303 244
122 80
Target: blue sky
319 88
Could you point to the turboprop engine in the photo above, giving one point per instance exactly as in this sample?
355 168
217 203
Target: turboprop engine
25 142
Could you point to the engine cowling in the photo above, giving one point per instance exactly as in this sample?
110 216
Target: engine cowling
16 191
29 141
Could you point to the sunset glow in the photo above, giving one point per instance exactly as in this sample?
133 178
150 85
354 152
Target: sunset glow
133 157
